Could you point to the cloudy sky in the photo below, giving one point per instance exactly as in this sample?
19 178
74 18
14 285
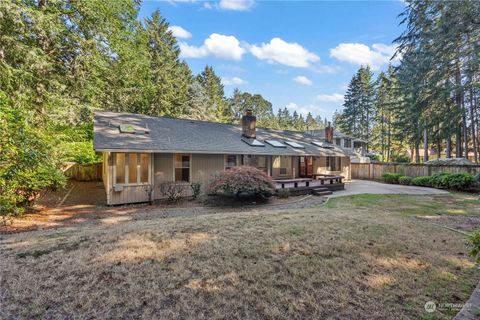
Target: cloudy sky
299 54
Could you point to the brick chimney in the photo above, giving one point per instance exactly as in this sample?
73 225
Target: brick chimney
249 123
329 133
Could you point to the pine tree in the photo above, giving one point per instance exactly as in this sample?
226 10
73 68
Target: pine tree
217 106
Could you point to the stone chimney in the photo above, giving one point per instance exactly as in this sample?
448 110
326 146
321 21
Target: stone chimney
329 133
249 123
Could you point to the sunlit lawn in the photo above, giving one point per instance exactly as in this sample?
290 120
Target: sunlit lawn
359 257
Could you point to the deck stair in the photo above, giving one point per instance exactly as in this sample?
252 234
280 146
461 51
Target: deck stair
321 191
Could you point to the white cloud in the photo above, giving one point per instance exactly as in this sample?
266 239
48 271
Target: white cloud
335 97
233 81
303 80
313 109
236 5
179 32
217 45
280 51
360 54
324 69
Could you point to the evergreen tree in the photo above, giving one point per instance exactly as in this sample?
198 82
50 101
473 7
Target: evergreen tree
217 106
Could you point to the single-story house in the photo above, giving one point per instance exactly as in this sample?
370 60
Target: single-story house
141 154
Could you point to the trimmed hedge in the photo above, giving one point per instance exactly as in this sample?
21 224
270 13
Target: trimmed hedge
423 181
446 180
404 180
391 177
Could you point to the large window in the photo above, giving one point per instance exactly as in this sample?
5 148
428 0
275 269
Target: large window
131 168
182 167
347 143
230 161
338 141
334 163
259 162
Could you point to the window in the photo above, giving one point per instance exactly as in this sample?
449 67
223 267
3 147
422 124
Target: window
294 145
334 163
132 168
284 163
338 141
120 168
253 142
347 143
182 167
275 143
230 161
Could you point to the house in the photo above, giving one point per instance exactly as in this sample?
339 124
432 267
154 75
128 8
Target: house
356 148
142 154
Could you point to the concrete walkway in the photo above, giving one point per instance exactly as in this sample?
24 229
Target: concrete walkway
366 186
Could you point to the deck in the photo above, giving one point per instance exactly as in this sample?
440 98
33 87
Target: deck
317 184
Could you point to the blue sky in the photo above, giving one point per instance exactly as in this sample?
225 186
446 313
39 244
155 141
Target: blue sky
299 54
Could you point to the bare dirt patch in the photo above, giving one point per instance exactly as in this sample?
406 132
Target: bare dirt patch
353 258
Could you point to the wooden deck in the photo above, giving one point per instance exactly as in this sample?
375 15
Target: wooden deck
310 185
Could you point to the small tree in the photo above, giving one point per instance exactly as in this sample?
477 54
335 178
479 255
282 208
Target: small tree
243 181
26 166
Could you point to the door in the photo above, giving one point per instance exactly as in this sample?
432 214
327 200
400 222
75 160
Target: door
305 167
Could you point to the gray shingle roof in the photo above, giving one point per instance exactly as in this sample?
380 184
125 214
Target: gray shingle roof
192 136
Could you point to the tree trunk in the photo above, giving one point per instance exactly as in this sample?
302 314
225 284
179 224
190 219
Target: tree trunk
417 149
465 128
425 143
473 105
448 151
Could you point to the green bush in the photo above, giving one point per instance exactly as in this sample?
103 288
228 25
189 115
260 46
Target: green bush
421 181
390 177
477 179
474 238
80 152
27 165
459 181
440 180
196 189
405 180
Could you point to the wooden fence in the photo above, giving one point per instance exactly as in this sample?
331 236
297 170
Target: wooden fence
83 172
374 171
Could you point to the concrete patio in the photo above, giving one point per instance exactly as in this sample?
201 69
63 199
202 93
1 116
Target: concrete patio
365 186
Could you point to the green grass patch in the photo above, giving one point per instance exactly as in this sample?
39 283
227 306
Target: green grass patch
34 253
295 231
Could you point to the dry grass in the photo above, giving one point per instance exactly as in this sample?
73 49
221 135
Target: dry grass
361 258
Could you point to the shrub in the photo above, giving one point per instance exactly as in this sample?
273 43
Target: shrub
391 177
173 191
474 238
196 189
440 180
242 182
26 163
405 180
421 181
459 181
476 178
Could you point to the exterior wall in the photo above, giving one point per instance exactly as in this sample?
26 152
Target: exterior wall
276 168
204 166
319 167
129 193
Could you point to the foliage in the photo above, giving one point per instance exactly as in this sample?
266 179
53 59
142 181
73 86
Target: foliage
171 190
196 189
423 181
440 180
401 158
459 181
477 179
391 177
474 238
26 167
404 180
242 181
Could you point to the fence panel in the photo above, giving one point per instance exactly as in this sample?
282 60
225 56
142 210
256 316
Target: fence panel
374 171
83 172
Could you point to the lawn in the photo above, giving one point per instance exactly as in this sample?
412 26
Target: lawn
362 257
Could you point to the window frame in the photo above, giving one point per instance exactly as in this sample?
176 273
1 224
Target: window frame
127 169
225 162
336 161
347 143
175 167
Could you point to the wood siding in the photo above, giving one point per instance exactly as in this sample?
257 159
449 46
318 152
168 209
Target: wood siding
204 166
320 167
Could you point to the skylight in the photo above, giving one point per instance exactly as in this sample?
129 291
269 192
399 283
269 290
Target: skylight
275 143
253 142
294 145
128 128
322 144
